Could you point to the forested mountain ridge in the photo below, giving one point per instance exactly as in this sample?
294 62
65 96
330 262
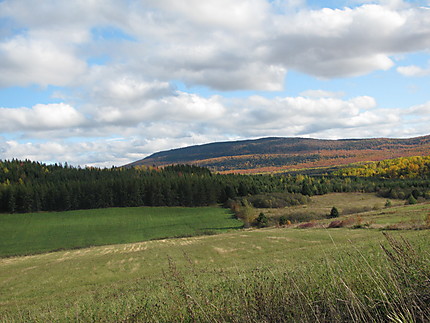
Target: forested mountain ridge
275 154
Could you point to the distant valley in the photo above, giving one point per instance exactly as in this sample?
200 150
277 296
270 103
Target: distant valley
281 155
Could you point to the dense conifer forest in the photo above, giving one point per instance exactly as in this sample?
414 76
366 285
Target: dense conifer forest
27 186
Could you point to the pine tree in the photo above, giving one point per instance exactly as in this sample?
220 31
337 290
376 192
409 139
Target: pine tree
334 213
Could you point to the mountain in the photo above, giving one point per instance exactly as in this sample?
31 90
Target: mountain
268 155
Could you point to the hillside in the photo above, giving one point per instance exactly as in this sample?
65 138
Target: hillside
287 154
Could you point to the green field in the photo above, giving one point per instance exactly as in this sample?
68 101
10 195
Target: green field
22 234
110 283
253 275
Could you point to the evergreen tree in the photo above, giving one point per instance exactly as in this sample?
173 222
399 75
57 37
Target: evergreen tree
334 213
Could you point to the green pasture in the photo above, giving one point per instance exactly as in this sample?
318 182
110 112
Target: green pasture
110 283
22 234
250 275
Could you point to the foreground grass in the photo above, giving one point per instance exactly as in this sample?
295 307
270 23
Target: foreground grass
31 233
273 274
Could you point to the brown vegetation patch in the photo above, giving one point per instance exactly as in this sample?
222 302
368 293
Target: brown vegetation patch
307 225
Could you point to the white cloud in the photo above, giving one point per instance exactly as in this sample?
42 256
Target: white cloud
291 116
122 90
238 15
187 119
179 106
421 112
413 70
26 61
336 43
41 117
225 45
245 44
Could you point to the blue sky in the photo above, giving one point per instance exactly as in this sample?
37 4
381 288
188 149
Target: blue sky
108 82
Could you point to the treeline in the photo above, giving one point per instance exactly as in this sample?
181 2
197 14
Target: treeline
27 186
404 167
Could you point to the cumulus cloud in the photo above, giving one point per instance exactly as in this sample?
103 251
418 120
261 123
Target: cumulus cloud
188 119
26 61
121 93
291 116
348 42
107 87
42 117
123 135
245 44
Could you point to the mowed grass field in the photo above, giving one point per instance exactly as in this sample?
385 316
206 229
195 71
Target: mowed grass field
237 276
112 283
23 234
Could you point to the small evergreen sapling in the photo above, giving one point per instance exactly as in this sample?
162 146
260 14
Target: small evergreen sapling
334 213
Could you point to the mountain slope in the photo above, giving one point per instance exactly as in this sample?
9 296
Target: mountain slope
284 154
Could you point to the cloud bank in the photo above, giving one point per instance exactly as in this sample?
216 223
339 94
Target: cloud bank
118 64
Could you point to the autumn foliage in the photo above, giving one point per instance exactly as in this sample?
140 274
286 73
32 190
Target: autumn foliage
403 167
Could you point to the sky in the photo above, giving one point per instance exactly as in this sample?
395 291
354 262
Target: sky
107 82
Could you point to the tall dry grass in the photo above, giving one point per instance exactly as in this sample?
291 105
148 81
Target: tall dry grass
348 288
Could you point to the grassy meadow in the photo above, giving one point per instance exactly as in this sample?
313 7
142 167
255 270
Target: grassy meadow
320 206
30 233
275 274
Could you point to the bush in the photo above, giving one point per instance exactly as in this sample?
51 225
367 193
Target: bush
283 220
411 200
262 220
243 211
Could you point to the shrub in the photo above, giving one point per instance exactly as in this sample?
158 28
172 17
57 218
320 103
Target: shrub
262 220
283 220
411 200
243 211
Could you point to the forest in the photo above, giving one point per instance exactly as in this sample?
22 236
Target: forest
28 186
403 167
